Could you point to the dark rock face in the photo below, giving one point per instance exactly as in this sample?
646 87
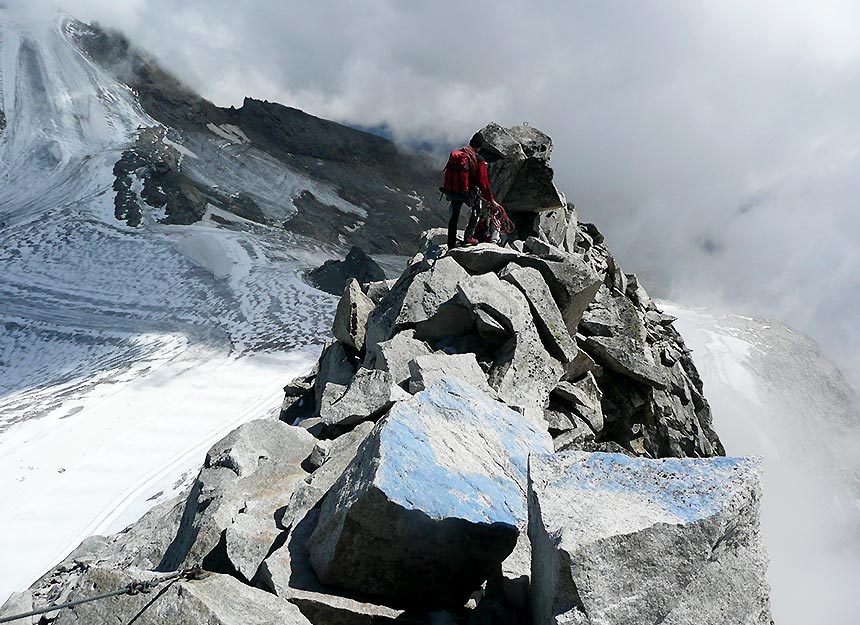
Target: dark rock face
334 275
377 195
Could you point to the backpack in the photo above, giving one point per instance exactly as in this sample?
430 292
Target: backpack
457 175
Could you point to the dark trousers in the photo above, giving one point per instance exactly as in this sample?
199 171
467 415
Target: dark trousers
456 205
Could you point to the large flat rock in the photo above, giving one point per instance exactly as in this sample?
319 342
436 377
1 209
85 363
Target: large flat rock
627 540
431 505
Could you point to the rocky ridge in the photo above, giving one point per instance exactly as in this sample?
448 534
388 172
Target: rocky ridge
501 435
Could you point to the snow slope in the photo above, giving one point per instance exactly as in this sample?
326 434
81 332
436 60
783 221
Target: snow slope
774 394
124 352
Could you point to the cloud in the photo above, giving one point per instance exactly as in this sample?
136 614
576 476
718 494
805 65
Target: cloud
715 143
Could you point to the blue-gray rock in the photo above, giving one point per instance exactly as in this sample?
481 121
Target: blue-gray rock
431 505
628 540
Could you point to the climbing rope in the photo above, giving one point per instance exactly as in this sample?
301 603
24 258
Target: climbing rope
133 588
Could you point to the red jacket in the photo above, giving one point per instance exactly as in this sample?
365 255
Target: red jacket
478 175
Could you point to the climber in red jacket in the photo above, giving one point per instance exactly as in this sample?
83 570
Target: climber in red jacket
466 180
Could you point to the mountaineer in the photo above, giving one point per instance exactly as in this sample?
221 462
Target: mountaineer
466 181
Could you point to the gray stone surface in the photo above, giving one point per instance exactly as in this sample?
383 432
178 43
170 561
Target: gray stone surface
489 329
626 356
573 284
451 319
433 237
425 370
350 318
578 436
628 540
288 574
370 393
216 600
415 297
19 603
484 257
395 354
522 181
524 374
229 517
544 249
583 397
431 504
375 291
612 314
579 366
500 300
313 488
547 316
335 367
552 226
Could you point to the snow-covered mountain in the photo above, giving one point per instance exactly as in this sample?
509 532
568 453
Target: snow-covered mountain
130 342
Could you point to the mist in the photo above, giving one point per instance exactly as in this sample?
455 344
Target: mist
716 144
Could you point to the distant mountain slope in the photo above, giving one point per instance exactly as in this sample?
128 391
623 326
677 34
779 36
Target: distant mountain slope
774 394
372 193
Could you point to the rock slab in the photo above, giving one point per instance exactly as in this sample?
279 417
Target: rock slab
431 505
627 540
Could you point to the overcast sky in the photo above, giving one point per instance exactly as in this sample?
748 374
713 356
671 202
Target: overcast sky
716 143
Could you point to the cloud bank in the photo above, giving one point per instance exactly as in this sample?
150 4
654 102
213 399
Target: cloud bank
717 144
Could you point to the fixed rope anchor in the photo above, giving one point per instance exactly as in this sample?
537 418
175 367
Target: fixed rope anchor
131 589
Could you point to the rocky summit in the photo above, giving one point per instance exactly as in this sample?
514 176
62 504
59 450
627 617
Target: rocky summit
506 434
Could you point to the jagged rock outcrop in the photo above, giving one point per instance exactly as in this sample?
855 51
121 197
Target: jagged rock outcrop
636 541
522 178
228 523
216 600
399 486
